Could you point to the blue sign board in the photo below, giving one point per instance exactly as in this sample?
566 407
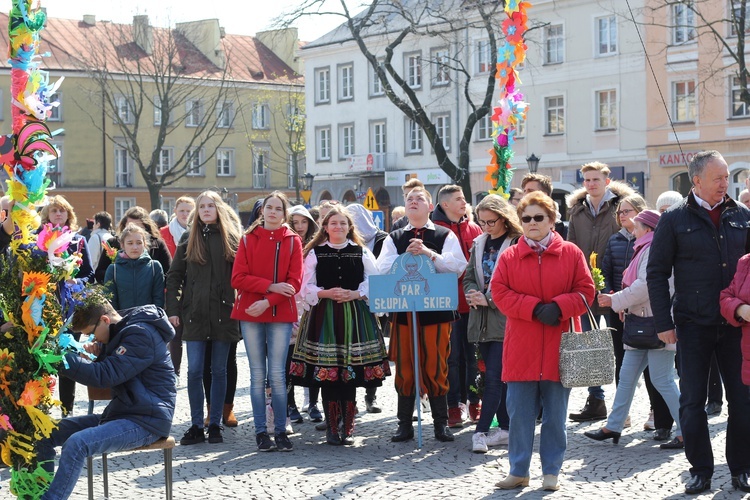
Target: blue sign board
413 285
378 218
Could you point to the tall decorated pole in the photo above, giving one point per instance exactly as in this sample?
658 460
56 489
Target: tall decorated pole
511 108
36 274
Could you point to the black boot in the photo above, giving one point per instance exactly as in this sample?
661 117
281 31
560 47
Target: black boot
405 429
370 400
348 411
594 409
439 406
331 410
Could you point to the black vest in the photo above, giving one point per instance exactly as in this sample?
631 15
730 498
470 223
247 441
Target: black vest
434 239
339 267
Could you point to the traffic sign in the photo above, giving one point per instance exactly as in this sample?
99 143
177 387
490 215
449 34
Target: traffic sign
378 218
370 202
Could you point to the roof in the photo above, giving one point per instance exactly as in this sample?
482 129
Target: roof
66 39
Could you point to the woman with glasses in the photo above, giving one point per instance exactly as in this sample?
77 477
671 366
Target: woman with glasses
540 284
486 323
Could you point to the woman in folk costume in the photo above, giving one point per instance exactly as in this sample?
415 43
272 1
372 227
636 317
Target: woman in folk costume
340 347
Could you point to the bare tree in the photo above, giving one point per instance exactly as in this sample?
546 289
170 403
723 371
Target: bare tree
384 25
149 83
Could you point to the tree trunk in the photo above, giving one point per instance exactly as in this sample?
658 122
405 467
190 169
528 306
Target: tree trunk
154 191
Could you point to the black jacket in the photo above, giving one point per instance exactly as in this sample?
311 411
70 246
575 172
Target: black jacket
703 259
616 259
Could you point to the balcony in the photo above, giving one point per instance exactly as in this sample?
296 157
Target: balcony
372 162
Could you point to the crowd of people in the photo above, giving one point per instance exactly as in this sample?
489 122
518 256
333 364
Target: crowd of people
294 287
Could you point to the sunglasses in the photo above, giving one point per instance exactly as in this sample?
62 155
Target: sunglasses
537 218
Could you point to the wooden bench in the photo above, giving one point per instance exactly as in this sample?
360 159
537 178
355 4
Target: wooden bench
165 444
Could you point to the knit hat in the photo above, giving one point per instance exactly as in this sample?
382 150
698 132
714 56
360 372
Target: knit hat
648 218
668 198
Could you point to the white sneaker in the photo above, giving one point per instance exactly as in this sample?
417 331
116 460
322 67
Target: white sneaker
289 430
306 404
426 404
479 442
497 438
649 424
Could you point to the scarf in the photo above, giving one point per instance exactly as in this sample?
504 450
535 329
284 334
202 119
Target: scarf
176 230
631 272
539 246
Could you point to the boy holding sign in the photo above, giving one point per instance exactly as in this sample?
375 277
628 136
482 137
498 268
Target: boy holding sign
421 237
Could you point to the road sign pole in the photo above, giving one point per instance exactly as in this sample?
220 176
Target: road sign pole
415 345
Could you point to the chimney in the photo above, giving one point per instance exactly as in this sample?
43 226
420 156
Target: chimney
283 43
142 35
89 19
206 36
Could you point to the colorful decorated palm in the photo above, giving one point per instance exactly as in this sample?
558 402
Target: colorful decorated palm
33 276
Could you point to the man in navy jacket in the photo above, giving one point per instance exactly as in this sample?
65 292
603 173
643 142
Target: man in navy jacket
134 362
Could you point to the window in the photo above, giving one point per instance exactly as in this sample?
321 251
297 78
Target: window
376 86
122 205
683 20
123 168
324 144
440 71
124 110
346 141
377 137
260 165
167 204
413 63
56 112
606 34
554 44
555 109
194 112
322 86
739 107
484 128
157 110
484 56
413 137
734 22
295 118
55 167
225 114
683 101
346 82
606 110
443 127
194 160
224 162
290 177
166 161
521 129
261 116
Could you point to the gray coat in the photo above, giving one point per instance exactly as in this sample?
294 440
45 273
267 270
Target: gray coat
486 324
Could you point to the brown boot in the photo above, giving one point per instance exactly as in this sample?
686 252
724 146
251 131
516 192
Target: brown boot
207 420
229 419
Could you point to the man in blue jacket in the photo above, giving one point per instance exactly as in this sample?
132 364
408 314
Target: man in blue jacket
701 239
134 362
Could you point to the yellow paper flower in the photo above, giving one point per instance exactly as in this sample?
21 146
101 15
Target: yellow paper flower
592 260
43 423
35 283
33 393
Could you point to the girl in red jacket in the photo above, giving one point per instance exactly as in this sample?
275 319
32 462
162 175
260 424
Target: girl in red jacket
538 284
267 274
735 307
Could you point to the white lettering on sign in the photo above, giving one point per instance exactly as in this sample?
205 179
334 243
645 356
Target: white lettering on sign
676 159
411 289
391 303
438 303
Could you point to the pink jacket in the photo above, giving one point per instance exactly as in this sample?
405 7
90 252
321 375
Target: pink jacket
732 297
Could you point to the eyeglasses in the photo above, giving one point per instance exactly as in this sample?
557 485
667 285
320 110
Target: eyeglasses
537 218
488 223
624 211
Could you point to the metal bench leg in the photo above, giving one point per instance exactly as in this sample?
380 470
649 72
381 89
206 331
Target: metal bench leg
90 467
168 472
104 473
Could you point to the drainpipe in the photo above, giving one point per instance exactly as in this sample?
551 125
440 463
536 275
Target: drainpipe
104 154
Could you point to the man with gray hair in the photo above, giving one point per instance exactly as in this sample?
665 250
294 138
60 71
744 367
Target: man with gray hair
700 240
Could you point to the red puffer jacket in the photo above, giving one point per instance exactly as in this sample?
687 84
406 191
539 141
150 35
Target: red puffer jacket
263 258
523 279
732 297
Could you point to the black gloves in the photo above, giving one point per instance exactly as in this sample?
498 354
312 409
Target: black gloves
549 314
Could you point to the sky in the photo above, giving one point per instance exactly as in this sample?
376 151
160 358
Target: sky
247 17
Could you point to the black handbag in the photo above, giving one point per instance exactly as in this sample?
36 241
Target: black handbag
640 332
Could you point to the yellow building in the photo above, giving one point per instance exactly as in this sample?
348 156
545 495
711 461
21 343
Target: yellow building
229 128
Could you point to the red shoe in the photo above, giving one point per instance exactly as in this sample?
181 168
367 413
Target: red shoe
474 411
455 420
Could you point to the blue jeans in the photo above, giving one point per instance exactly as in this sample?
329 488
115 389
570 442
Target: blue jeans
695 347
81 437
495 391
660 364
596 391
524 401
196 353
461 350
266 345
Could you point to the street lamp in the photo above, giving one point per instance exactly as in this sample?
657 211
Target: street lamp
533 163
305 182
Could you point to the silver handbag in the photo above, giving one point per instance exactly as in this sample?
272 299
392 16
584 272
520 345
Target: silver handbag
587 359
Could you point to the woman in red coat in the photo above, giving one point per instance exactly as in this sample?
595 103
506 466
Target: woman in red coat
538 285
735 307
267 274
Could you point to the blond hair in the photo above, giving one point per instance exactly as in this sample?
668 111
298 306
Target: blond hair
596 166
131 228
230 229
500 207
60 202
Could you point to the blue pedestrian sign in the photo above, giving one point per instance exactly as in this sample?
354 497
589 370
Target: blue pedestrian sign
378 218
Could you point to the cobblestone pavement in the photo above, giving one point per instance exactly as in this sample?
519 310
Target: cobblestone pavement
377 468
